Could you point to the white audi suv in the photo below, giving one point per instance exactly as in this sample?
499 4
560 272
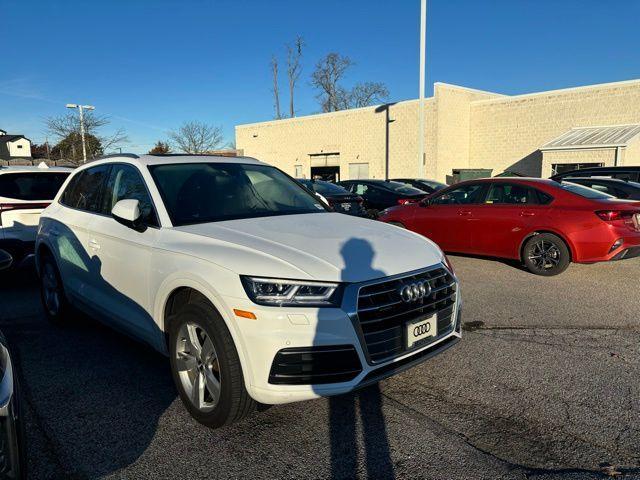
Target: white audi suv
256 290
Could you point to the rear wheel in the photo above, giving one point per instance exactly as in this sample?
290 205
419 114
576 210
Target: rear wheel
206 368
54 300
546 254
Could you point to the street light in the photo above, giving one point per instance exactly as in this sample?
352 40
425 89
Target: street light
423 41
80 110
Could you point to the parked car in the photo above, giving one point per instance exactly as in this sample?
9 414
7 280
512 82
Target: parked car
543 223
425 185
618 188
336 196
381 194
255 290
12 437
621 173
24 193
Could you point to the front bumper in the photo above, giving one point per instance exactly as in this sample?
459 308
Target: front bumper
306 334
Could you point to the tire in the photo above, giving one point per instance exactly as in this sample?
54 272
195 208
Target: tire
546 254
223 398
54 299
373 214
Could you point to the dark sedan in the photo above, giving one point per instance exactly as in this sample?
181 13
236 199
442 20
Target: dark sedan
428 186
338 198
381 194
618 188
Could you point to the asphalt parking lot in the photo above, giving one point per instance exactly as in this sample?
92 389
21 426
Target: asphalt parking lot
544 385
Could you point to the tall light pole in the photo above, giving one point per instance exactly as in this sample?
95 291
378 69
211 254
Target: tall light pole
80 110
423 50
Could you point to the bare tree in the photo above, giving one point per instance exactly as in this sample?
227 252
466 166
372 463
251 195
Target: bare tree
276 92
367 93
333 96
67 127
294 53
197 137
329 70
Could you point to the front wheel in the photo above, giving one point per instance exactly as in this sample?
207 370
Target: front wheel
206 368
546 254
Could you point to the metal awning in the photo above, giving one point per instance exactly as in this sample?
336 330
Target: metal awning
594 137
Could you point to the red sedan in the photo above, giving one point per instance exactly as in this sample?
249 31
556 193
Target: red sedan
544 223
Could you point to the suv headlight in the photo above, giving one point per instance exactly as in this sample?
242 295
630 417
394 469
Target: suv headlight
294 293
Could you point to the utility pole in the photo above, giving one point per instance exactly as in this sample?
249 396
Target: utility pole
80 110
423 50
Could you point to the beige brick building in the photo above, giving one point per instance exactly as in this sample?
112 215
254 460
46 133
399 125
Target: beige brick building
464 129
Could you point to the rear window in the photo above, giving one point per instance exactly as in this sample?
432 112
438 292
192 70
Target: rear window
326 188
31 185
403 188
585 192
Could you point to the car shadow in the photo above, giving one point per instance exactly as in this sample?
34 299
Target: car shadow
363 407
95 395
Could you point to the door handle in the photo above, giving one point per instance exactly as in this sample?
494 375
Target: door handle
464 213
94 244
527 214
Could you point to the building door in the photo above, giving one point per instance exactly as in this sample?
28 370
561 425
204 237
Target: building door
328 174
358 171
325 166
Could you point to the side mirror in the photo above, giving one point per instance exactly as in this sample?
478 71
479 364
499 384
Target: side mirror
127 212
425 202
5 260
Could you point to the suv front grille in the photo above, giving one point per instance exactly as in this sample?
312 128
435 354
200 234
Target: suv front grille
383 314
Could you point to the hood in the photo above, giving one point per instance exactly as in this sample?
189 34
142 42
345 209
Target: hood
317 246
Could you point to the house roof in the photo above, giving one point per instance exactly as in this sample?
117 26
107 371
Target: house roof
10 138
590 137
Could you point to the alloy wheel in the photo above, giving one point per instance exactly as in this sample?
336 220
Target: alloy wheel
545 255
51 289
198 366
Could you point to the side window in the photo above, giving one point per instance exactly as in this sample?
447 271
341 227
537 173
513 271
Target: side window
84 190
542 198
510 194
125 182
628 176
464 195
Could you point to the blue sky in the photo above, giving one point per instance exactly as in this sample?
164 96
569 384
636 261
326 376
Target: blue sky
153 64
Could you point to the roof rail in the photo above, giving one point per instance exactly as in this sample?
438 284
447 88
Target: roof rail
184 155
115 155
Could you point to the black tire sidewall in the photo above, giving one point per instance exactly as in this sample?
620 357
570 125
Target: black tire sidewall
209 319
565 255
64 308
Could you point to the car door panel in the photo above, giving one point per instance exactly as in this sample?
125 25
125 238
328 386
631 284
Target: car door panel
446 217
121 258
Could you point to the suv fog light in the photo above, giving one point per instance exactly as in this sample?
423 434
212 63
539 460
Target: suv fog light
616 244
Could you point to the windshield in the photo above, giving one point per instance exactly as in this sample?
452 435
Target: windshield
585 191
403 188
211 192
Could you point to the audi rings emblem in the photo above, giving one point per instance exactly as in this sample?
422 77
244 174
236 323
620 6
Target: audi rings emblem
413 292
421 329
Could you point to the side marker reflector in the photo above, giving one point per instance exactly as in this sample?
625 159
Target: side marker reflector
245 314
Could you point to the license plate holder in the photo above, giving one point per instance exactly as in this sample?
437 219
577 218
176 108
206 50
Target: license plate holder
421 328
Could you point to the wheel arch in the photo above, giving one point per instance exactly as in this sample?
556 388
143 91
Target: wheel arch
552 232
175 292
